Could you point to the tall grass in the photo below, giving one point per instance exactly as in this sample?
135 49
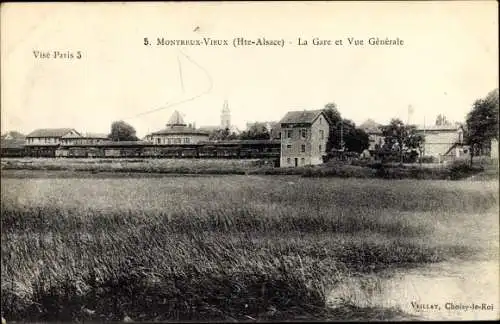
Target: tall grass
228 248
356 169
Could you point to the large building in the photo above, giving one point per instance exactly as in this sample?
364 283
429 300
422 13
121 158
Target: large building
50 136
177 132
304 135
443 140
45 142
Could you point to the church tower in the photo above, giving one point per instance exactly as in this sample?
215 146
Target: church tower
225 117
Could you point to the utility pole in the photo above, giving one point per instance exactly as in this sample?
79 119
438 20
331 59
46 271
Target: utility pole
424 135
342 135
401 143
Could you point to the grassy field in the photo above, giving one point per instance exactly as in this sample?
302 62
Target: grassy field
456 170
225 248
169 166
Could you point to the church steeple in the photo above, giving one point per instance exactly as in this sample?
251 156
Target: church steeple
225 117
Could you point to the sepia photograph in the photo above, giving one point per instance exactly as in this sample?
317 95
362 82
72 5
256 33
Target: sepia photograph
249 161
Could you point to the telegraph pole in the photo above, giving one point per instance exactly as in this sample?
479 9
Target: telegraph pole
342 135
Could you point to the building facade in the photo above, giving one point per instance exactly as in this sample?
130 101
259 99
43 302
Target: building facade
87 138
50 136
177 132
372 128
443 140
45 142
304 135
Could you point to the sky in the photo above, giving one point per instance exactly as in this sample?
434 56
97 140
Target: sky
448 60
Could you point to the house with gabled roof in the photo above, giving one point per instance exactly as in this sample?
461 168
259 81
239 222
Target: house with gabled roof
44 142
49 136
12 144
304 135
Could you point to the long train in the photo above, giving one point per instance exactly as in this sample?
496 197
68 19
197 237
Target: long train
237 149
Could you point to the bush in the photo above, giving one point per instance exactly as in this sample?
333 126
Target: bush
342 170
427 159
460 169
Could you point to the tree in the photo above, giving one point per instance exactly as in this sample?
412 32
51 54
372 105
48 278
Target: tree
222 135
355 139
121 131
401 138
343 132
441 120
257 131
482 123
334 119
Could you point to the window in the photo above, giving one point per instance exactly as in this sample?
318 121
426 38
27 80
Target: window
303 133
177 141
288 160
187 140
321 134
289 146
303 147
302 161
289 133
320 120
319 147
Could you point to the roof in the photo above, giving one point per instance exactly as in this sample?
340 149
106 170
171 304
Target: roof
175 119
13 135
180 130
95 135
72 135
301 117
242 142
50 132
122 143
370 126
442 128
209 128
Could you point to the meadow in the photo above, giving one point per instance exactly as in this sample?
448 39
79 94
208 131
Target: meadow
455 170
240 247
